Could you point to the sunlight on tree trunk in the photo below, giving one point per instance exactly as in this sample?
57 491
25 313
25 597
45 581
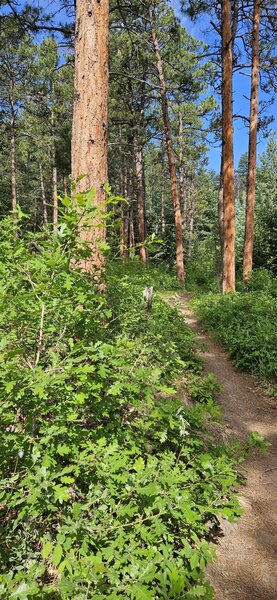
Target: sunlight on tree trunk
90 111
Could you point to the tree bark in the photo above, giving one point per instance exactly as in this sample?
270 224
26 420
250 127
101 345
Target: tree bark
43 197
13 168
170 154
182 170
191 216
65 186
13 159
220 216
54 175
124 226
55 196
162 204
90 111
228 282
131 234
140 203
252 150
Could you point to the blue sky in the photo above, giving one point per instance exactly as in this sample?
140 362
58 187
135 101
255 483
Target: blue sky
241 84
241 88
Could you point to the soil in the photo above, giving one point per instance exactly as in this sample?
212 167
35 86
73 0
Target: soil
246 563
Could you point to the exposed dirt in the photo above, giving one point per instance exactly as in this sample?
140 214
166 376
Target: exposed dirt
246 564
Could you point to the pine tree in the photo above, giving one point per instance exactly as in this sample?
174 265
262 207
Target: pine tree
90 110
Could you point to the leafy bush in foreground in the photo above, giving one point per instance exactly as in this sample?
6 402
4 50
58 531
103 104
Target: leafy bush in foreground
246 324
109 485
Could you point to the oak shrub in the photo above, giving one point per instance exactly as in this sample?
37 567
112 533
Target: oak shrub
246 323
110 485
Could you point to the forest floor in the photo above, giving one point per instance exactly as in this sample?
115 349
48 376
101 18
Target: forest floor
246 563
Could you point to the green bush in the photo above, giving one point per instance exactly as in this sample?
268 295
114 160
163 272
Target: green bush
201 268
110 486
246 324
263 281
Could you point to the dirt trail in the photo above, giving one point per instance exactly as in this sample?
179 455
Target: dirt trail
246 564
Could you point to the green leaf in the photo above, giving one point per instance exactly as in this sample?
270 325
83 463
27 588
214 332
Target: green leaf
139 465
57 555
61 494
194 560
46 549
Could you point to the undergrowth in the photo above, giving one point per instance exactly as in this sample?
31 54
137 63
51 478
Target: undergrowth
246 324
110 486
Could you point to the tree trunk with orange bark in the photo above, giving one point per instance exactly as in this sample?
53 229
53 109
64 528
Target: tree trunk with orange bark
252 150
228 278
90 111
170 154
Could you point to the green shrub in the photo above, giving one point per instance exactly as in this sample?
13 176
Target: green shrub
246 324
109 484
201 268
263 281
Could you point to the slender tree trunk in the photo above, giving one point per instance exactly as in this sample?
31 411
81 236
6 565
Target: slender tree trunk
90 111
13 158
228 283
43 197
182 170
55 196
13 169
170 154
54 175
252 150
191 216
144 200
140 204
131 228
124 226
131 235
162 204
220 216
65 186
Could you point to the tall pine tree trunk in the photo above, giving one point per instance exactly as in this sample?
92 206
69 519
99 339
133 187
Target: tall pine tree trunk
220 217
90 110
131 236
182 169
43 197
138 152
191 215
162 204
55 195
252 150
13 168
13 158
54 175
170 154
124 225
228 280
